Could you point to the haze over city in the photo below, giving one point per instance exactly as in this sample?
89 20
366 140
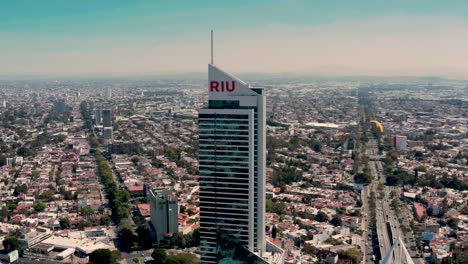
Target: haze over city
375 38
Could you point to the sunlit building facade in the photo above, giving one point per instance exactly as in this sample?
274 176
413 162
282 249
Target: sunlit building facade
232 166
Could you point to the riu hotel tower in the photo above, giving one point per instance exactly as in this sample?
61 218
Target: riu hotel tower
232 166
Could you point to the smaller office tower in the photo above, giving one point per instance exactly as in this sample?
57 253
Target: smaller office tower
10 162
108 134
98 116
164 213
400 142
106 118
59 106
108 92
18 161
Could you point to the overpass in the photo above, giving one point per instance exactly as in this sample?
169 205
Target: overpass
398 254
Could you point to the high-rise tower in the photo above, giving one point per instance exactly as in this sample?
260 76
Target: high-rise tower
98 116
232 165
106 118
108 92
59 106
164 210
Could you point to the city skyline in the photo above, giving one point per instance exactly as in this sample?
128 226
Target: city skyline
420 38
306 170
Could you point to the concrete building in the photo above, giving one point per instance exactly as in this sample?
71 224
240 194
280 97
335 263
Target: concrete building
400 142
18 160
59 106
108 133
108 92
232 165
164 213
34 236
106 118
98 116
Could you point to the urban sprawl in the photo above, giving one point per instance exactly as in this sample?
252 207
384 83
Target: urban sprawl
357 170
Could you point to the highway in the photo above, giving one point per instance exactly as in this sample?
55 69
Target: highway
382 207
387 223
382 203
365 241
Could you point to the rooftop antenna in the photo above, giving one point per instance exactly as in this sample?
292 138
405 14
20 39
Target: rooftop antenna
211 46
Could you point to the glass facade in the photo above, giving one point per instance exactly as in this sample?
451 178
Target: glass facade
232 170
225 143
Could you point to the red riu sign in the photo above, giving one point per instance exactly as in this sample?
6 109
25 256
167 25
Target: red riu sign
216 86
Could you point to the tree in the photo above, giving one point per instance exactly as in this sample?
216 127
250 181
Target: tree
81 225
35 173
3 213
392 180
123 196
274 231
23 188
182 258
48 195
460 255
120 211
430 211
358 203
355 213
2 160
286 175
144 237
317 147
11 243
453 223
135 160
362 178
321 217
195 238
39 207
353 254
333 241
159 255
87 210
179 240
309 250
126 237
418 155
336 220
191 239
25 152
104 256
64 223
105 220
275 207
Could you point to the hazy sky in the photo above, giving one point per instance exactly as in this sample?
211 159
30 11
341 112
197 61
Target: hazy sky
374 37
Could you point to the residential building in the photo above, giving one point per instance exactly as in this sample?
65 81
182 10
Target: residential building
164 213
